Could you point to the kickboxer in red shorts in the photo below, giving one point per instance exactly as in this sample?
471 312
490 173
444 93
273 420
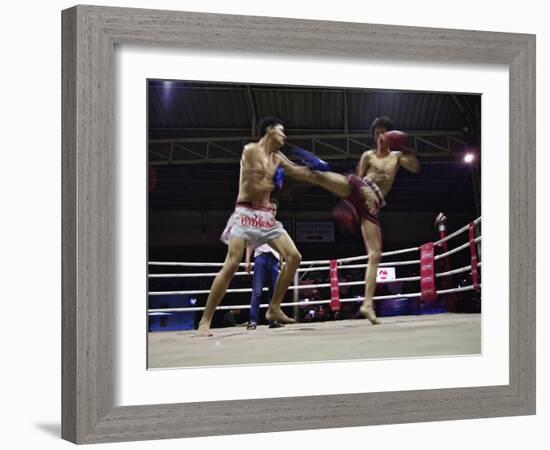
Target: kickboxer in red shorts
363 192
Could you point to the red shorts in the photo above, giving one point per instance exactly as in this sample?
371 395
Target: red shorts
361 190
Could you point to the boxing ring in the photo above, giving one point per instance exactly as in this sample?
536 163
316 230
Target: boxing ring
343 340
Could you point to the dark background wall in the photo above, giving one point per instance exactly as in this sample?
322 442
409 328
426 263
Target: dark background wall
192 236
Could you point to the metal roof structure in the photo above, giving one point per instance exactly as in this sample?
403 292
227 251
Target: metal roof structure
196 132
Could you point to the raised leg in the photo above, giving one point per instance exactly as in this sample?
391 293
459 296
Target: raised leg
331 181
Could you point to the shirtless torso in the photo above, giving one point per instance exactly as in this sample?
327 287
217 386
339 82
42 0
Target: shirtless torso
258 167
250 225
365 192
381 169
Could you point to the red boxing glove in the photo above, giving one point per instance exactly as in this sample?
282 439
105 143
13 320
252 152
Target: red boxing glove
398 140
345 214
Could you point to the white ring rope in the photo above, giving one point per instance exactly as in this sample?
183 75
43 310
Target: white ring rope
361 257
313 302
305 269
453 272
322 261
190 275
457 232
315 269
341 266
457 249
313 286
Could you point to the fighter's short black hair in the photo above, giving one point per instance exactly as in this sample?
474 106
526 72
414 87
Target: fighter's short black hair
274 201
266 122
382 122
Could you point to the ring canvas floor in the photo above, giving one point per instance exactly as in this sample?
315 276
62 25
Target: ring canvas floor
397 337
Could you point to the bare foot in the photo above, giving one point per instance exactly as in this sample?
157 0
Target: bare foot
278 315
369 313
203 331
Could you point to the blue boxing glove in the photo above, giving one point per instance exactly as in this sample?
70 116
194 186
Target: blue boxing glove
308 159
279 178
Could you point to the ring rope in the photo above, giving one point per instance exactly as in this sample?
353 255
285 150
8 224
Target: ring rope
311 286
304 269
455 250
311 269
457 232
455 271
325 261
360 257
341 265
313 302
307 269
189 275
213 274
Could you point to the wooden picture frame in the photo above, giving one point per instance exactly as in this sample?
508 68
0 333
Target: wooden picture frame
90 34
